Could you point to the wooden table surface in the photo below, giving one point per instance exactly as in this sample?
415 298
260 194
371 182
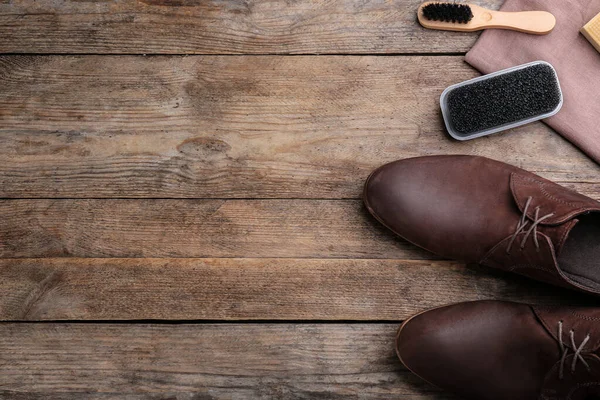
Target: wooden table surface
180 188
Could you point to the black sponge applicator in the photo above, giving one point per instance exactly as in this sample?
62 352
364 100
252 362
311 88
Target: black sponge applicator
501 100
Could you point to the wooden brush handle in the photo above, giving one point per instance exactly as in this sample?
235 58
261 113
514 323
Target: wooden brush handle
536 22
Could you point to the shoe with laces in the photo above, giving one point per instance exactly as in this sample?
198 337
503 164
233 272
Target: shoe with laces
484 211
493 350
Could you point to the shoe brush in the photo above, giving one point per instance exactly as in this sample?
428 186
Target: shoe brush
470 17
501 100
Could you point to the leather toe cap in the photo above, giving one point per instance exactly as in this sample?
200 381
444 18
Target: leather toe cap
455 206
485 350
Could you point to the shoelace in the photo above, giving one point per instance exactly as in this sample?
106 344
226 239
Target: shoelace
565 350
532 229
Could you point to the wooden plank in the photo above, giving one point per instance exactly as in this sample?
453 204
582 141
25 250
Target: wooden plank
222 27
226 361
238 127
247 289
195 228
167 228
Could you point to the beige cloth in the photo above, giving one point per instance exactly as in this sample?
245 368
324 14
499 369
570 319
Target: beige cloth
573 57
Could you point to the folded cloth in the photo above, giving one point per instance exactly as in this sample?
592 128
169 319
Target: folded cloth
574 58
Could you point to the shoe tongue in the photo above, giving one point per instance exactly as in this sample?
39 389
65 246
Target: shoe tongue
558 234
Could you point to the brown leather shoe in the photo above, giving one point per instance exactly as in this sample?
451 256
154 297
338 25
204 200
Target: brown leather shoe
492 350
480 210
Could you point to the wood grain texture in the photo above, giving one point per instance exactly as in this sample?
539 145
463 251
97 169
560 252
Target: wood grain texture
239 127
196 228
222 27
250 289
226 361
166 228
161 156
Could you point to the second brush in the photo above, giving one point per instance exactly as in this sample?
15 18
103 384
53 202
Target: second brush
470 17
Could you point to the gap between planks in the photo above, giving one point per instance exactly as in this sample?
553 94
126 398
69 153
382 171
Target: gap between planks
414 54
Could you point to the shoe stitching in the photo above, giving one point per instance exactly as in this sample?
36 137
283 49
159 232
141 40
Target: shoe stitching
582 279
528 266
545 192
552 197
584 317
579 386
579 208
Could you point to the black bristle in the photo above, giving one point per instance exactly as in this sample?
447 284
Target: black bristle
503 99
448 12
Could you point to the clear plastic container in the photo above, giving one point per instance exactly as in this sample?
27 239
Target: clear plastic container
461 136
